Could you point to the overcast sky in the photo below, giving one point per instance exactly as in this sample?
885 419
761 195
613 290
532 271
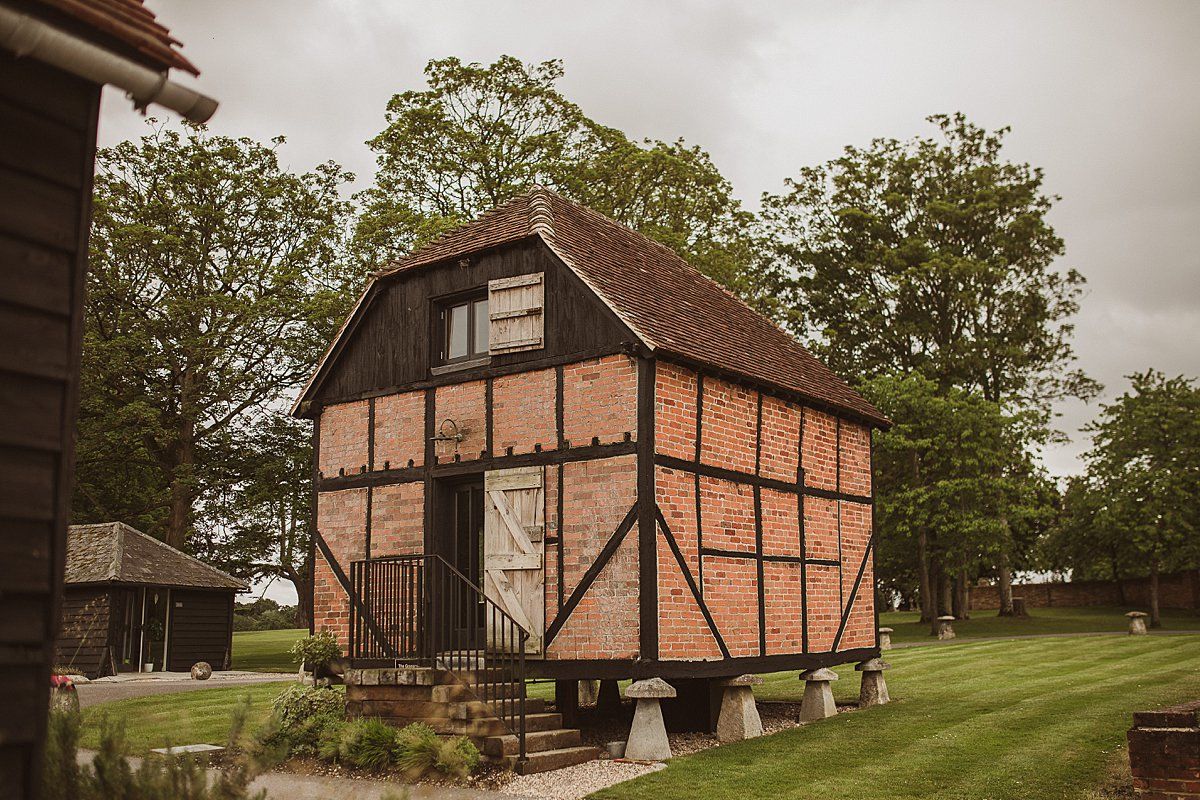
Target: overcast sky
1104 96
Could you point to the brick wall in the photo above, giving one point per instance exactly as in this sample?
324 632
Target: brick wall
600 400
341 518
397 520
835 531
1176 590
465 403
523 412
1164 753
675 410
343 439
730 419
399 430
596 497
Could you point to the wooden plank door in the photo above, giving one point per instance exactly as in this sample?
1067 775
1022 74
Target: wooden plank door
513 533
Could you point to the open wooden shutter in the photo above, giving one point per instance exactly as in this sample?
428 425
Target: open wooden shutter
517 318
513 534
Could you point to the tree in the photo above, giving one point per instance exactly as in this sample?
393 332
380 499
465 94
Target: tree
214 284
480 135
260 522
1143 474
934 256
954 487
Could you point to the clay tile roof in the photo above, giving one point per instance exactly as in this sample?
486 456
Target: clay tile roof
129 23
664 300
113 552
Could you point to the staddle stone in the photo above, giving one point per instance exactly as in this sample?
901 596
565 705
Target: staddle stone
946 627
885 638
589 692
818 695
1137 623
873 690
739 717
648 733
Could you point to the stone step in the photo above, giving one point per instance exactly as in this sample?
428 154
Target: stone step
538 742
456 692
476 728
477 709
552 759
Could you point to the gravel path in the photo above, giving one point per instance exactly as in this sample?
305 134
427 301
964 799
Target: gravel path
107 691
578 781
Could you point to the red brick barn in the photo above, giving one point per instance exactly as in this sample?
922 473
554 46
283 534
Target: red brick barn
644 475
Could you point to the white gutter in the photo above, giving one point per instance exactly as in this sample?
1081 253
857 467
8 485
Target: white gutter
28 36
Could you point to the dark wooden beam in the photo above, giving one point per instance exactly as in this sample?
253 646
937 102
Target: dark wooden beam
862 568
800 480
608 669
737 476
646 505
390 477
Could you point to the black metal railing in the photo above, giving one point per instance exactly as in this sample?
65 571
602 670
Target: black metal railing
421 611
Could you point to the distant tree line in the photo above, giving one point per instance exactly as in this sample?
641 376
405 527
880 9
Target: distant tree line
923 271
264 614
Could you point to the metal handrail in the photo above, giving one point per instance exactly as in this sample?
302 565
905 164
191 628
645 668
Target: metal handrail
421 610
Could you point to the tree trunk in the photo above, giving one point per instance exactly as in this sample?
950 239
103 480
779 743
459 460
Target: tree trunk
928 610
182 489
1005 580
1155 619
935 595
946 606
961 601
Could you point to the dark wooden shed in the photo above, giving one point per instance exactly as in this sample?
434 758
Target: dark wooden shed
132 603
55 56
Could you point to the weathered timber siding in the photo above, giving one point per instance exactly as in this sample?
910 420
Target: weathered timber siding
390 347
84 637
47 145
201 629
768 503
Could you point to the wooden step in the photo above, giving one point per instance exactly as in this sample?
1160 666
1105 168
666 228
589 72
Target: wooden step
456 692
538 742
477 709
482 728
552 759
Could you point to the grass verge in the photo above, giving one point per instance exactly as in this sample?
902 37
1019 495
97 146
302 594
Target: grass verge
999 720
983 624
266 651
201 717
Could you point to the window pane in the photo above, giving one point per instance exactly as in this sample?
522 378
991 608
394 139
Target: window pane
456 331
481 327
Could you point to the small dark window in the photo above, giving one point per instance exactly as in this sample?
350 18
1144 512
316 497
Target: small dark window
463 330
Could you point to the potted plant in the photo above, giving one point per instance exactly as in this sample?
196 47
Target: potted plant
316 653
154 638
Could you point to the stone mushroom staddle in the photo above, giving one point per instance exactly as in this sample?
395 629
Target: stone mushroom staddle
1137 623
874 691
946 627
739 714
648 734
818 695
885 638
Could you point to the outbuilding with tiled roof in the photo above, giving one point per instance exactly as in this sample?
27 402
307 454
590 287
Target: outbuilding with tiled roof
603 447
132 603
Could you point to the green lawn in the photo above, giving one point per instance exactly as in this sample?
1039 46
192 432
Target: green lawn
1035 718
201 717
266 651
1040 620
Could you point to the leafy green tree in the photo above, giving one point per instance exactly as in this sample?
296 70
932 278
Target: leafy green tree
953 487
1143 475
214 283
480 135
258 522
934 256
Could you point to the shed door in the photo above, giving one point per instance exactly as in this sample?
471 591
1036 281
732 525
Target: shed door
513 530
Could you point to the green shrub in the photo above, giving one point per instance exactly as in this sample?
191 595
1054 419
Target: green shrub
297 703
301 717
316 651
422 751
369 744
